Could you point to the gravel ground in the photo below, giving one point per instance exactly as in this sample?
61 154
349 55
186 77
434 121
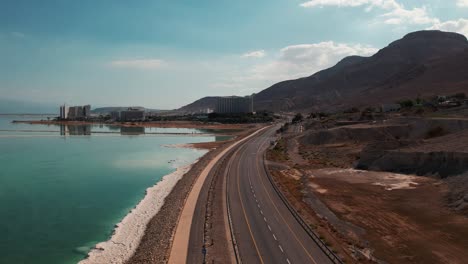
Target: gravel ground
155 245
157 241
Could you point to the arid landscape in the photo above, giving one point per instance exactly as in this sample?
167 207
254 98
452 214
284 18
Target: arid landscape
388 190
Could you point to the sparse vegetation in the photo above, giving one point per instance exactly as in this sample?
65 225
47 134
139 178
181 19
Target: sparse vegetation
406 103
297 118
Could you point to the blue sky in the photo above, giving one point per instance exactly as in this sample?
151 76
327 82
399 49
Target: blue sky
164 54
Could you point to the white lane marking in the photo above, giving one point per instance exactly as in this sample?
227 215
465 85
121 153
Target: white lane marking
264 219
256 200
280 248
261 212
289 262
275 237
269 227
258 205
255 195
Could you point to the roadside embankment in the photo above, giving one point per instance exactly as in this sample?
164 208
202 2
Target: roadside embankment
156 243
386 213
442 156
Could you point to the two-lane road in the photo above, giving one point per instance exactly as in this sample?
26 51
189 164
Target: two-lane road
264 228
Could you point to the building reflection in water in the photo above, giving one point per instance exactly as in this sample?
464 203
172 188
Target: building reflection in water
133 130
75 130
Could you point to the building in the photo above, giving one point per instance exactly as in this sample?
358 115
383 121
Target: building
132 114
64 112
234 104
87 110
75 112
115 115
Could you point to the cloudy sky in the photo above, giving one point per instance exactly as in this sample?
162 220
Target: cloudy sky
165 53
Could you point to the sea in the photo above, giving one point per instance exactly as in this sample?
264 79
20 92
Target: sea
64 188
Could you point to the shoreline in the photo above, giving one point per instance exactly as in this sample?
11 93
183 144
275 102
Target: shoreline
160 124
129 232
157 242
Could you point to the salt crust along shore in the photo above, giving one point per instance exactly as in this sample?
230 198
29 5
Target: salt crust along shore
129 232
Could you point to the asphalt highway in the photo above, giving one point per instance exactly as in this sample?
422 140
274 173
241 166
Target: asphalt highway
264 228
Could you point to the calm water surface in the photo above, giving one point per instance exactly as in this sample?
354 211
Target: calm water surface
60 195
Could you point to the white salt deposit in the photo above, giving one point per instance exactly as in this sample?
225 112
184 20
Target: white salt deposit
129 232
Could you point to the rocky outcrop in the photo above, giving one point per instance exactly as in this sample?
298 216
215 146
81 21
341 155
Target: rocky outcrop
441 164
442 156
357 134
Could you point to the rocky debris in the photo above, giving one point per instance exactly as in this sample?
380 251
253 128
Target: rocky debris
457 196
443 156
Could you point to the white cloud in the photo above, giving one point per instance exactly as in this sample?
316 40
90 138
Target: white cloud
385 4
305 59
459 26
462 3
291 62
144 64
254 54
396 13
400 15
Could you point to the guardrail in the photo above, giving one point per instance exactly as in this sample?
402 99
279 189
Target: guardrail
325 249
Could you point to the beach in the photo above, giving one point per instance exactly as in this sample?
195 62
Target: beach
129 232
145 234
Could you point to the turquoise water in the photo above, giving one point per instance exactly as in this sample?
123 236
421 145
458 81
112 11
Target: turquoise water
60 195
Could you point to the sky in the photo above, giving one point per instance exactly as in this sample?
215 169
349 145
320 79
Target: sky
164 54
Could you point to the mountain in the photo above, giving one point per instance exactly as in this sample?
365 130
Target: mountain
108 110
422 63
200 105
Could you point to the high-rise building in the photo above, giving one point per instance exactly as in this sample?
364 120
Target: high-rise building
74 112
64 112
132 114
234 104
115 115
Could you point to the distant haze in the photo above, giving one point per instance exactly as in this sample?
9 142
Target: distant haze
165 54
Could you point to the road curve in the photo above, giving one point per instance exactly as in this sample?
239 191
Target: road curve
187 225
264 228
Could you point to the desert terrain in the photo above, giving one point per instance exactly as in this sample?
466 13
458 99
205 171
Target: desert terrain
388 190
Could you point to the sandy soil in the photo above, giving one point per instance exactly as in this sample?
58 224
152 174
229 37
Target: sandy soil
200 145
156 243
405 217
371 217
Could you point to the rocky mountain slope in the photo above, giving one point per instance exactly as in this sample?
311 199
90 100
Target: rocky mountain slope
423 63
200 105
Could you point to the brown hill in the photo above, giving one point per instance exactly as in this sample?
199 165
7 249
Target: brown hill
200 105
423 63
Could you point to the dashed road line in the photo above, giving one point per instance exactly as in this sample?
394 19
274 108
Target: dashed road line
281 248
275 237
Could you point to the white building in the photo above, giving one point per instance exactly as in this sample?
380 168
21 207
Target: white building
64 112
74 112
234 104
